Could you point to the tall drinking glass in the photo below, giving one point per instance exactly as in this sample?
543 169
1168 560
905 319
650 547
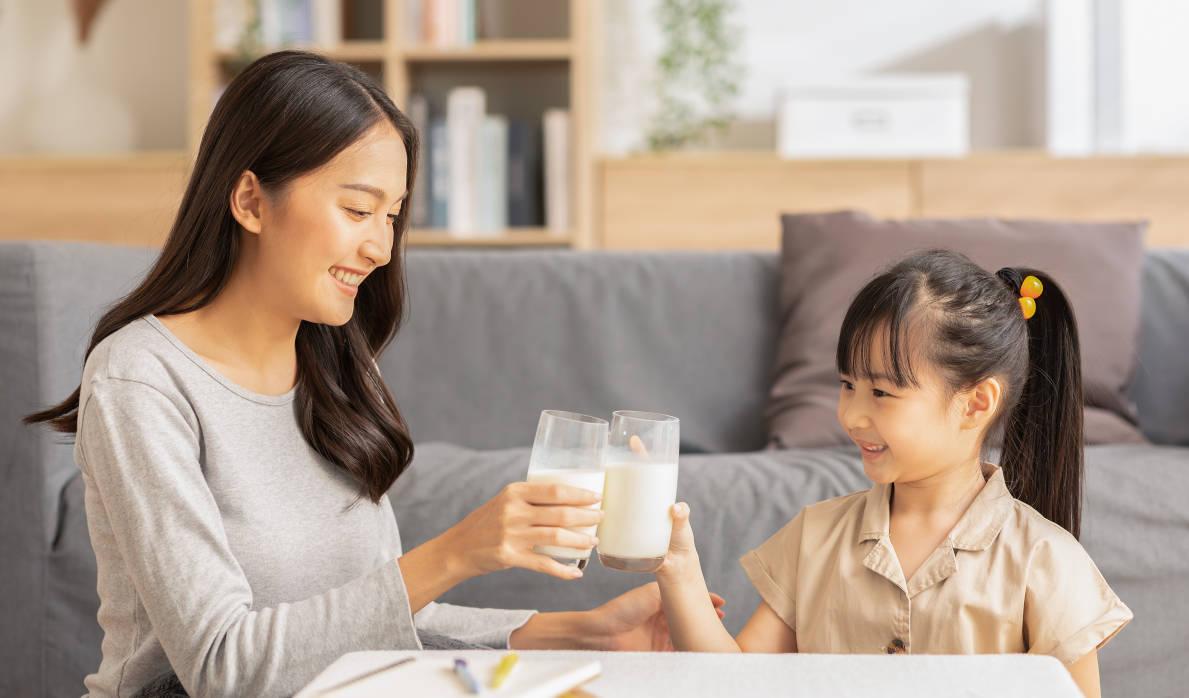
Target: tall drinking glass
569 450
640 489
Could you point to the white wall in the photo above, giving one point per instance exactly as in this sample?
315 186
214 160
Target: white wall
126 89
994 42
1152 111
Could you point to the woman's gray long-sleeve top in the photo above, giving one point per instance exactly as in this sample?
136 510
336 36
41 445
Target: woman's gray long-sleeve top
228 550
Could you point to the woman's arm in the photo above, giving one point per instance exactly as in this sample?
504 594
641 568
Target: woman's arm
429 572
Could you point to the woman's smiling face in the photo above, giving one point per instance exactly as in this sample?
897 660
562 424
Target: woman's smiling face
329 229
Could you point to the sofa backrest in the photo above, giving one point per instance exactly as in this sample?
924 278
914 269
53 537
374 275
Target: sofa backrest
495 337
492 338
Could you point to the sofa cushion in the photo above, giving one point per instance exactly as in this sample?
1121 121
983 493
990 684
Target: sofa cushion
1161 385
827 258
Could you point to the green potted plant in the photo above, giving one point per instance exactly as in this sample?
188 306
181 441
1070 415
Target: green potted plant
698 75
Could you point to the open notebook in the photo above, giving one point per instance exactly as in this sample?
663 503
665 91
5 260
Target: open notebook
432 674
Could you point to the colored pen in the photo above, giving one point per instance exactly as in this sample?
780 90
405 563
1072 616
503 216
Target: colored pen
464 674
504 669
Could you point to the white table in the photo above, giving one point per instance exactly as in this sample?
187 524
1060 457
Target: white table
685 675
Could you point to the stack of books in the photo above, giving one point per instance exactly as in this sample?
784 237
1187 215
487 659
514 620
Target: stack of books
481 173
282 22
442 22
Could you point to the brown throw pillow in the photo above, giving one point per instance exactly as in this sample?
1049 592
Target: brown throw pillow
826 258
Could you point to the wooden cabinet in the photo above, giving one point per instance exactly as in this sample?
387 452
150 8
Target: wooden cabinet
734 201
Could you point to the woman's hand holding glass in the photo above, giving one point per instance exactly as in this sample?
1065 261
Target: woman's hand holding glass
503 532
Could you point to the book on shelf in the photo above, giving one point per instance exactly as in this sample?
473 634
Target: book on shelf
328 22
483 173
439 174
282 22
419 115
557 170
493 175
524 174
443 22
465 109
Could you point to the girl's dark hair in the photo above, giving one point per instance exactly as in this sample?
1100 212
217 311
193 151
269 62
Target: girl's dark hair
285 115
943 309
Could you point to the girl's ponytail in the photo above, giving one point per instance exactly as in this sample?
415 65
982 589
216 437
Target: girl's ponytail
1042 438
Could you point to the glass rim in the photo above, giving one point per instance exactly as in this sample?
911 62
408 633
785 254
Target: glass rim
576 417
646 416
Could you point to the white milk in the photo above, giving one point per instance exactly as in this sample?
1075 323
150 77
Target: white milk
586 479
636 502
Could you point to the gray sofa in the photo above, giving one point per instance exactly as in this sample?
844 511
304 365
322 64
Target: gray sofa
495 337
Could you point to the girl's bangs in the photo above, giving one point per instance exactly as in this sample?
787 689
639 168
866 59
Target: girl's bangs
879 323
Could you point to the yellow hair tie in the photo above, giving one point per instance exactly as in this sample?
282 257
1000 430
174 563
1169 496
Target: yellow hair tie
1030 290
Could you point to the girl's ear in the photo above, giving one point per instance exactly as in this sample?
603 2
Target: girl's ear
247 202
981 403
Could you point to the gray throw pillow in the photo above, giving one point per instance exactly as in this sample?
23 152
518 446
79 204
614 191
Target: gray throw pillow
826 258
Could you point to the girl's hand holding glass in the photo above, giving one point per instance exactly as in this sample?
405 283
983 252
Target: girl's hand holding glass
682 556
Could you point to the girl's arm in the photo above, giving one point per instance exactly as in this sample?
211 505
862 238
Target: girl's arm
693 621
766 632
1085 675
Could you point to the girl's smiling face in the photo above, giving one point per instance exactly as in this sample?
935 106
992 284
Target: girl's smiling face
910 432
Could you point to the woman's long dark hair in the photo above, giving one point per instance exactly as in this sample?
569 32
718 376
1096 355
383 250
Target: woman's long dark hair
285 115
967 322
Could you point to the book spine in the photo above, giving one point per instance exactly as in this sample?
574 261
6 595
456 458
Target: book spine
296 22
439 182
524 175
467 22
445 23
420 203
493 184
414 14
465 107
328 22
557 170
270 23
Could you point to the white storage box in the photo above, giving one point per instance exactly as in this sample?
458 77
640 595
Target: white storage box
893 116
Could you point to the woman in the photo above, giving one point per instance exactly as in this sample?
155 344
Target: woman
236 440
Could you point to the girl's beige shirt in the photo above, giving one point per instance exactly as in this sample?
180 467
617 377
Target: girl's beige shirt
1006 579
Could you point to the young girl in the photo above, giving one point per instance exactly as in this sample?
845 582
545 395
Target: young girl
935 357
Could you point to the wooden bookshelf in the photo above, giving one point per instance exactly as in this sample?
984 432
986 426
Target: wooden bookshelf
348 52
405 65
513 237
521 50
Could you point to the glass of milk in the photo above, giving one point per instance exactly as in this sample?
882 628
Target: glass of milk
640 488
569 449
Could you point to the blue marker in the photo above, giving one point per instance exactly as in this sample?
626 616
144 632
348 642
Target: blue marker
464 674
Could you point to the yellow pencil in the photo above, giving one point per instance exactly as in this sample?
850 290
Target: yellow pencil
504 669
